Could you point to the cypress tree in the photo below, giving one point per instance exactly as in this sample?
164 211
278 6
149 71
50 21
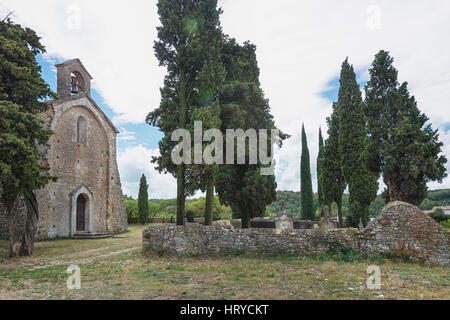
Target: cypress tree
403 147
143 200
353 140
319 180
306 191
189 43
22 133
243 105
333 183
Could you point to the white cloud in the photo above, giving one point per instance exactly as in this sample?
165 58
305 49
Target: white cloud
114 39
301 45
126 135
135 161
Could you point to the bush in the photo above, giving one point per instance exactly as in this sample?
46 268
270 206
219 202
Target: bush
353 216
446 223
339 253
190 216
439 215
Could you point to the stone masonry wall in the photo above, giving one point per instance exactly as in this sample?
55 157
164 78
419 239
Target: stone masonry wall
396 228
91 165
404 229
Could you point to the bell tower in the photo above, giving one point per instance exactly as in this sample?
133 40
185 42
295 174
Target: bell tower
73 79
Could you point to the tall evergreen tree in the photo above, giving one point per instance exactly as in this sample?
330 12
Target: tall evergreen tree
242 187
22 134
404 148
379 92
307 210
319 180
412 152
189 42
363 185
143 200
333 181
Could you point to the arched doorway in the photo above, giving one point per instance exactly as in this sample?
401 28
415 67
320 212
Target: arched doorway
81 213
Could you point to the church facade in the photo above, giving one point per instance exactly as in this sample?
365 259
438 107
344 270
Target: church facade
87 198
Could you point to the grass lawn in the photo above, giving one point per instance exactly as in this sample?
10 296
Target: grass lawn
115 269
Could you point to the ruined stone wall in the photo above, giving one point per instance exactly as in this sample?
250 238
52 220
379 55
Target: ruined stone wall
201 240
269 223
396 227
404 229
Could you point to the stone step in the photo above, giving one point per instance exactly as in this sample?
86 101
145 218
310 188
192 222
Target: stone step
83 235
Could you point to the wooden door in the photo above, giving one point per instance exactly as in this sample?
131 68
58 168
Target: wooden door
81 213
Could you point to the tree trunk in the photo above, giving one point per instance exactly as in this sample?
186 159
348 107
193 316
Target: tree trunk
181 196
339 205
365 215
27 247
246 221
12 228
209 203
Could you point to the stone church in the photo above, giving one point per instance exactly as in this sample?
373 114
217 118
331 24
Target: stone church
87 198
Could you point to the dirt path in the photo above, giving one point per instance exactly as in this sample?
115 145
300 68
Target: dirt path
77 252
85 261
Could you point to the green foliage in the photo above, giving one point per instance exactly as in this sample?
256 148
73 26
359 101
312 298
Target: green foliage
307 209
131 207
243 105
403 147
446 224
197 207
439 216
354 214
167 208
143 210
321 202
189 46
205 174
190 216
353 140
20 74
22 134
332 180
337 252
376 206
21 170
290 200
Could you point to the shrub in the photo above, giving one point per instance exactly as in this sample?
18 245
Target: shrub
190 215
438 215
337 252
446 223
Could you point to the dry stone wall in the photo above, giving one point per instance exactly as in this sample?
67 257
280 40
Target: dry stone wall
400 228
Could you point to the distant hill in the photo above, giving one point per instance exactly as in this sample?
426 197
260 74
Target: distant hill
292 202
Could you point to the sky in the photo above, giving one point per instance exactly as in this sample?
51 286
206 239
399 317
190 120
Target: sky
300 47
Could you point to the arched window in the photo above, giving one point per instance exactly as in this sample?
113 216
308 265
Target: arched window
81 130
76 83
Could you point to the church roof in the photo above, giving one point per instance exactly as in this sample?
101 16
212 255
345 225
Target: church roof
85 95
